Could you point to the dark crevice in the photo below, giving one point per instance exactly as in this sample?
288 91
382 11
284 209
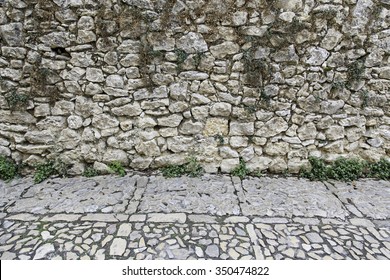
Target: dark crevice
60 51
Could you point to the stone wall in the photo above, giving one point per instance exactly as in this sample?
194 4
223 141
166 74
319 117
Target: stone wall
152 82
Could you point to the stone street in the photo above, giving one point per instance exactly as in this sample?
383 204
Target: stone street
213 217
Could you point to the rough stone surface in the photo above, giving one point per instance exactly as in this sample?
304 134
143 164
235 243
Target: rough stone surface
267 198
160 196
196 218
78 79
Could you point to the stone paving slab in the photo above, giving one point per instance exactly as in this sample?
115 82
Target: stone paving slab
370 197
213 217
207 195
289 197
10 192
74 195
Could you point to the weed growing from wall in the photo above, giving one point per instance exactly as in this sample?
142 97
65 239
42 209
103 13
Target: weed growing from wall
318 171
8 169
181 56
16 100
355 71
54 167
91 172
338 85
117 168
328 14
44 171
241 170
346 170
191 168
380 169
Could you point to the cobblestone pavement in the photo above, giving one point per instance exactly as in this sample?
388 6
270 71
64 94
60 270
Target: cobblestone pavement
213 217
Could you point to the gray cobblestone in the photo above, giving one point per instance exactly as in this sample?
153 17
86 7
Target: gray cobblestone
231 229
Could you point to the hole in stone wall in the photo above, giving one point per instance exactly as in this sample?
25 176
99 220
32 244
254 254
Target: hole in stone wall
60 51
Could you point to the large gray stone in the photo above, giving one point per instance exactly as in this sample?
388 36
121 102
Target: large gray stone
56 40
370 197
104 121
222 50
286 55
43 251
40 137
170 121
190 195
289 197
332 39
317 56
13 34
130 110
118 247
273 127
94 75
238 128
192 43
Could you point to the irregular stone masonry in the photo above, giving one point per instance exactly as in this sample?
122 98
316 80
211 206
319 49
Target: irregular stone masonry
140 217
150 83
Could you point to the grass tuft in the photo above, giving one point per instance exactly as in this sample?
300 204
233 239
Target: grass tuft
191 168
8 169
241 170
117 168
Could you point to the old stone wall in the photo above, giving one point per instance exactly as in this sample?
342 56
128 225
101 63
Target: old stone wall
152 82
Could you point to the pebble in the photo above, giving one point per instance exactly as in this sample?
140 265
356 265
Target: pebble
43 251
314 237
212 251
118 247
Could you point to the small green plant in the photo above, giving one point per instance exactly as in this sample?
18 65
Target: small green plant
339 85
317 98
380 169
342 170
44 171
346 169
258 173
192 168
241 170
181 56
257 70
41 226
16 100
8 169
61 168
355 71
117 168
91 172
172 171
155 54
317 172
265 98
197 58
251 109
